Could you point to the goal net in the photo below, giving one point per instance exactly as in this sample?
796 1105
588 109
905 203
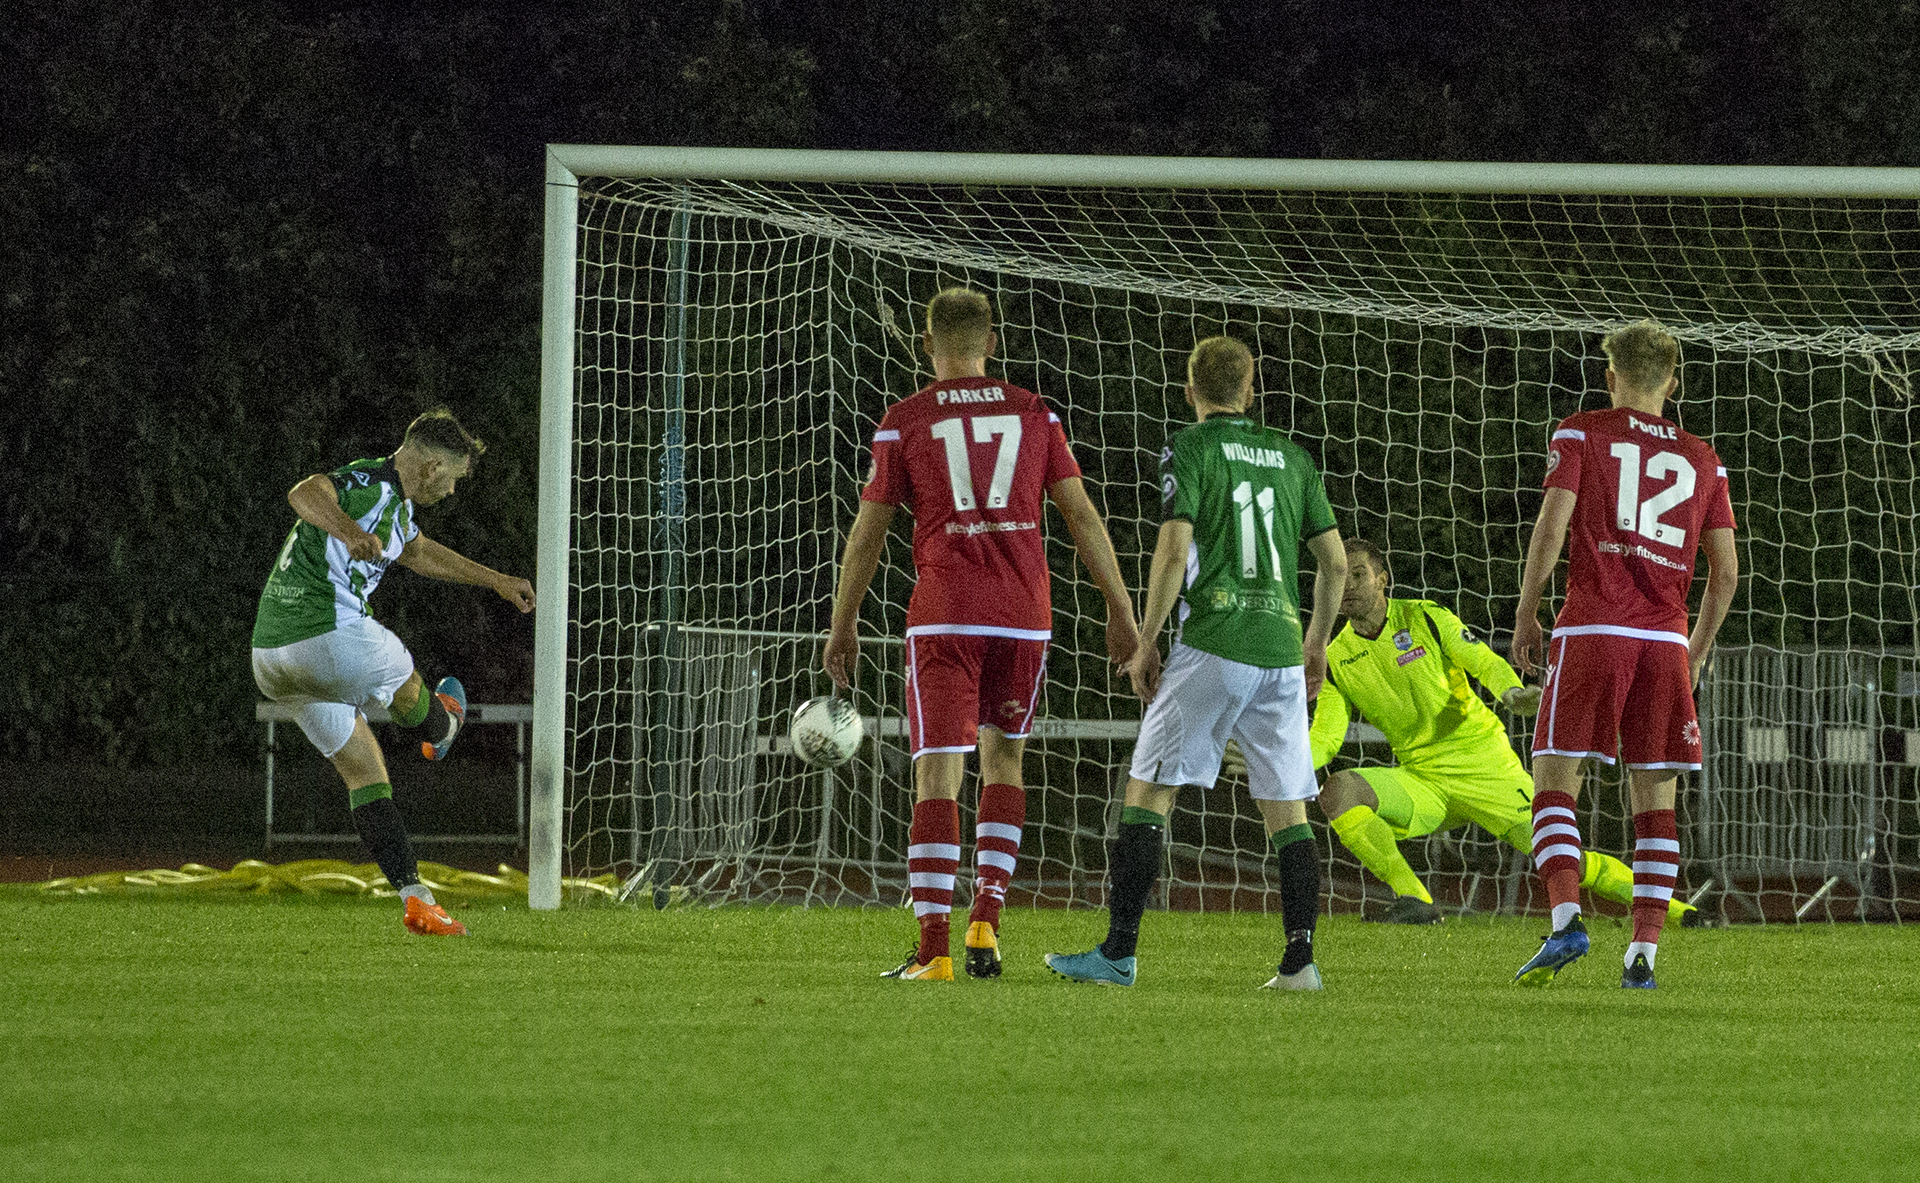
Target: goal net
725 329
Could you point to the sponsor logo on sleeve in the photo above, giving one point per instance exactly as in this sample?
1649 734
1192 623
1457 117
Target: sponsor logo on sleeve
1553 460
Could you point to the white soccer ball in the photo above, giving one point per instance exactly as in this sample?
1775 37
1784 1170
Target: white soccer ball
825 731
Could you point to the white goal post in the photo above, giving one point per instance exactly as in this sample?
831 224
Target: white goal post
722 327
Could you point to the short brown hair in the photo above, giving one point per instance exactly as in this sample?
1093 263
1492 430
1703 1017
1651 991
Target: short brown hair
439 430
1368 549
1217 368
1644 355
960 319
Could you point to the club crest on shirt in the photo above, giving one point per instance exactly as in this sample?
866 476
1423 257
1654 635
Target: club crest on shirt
1403 640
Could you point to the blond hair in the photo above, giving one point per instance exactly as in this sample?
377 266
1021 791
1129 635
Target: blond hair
960 319
1643 355
1217 369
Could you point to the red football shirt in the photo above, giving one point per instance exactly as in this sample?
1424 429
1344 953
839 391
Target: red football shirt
973 458
1646 492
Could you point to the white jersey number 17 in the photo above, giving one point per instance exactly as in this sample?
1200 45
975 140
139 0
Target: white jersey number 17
953 433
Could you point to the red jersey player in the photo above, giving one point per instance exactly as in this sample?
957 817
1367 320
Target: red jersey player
1642 497
974 457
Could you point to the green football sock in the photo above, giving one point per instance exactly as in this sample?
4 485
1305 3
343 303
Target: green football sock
1370 838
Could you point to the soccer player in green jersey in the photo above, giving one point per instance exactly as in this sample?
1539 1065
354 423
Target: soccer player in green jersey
1404 665
315 644
1238 499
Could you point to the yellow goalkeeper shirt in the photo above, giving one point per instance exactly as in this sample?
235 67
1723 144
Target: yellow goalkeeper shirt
1411 683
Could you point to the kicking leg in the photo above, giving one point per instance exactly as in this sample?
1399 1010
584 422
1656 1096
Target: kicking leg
440 711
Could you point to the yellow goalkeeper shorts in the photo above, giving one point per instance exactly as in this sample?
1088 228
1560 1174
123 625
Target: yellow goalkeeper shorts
1494 793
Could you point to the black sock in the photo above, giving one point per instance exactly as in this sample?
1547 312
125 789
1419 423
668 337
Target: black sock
1133 866
385 833
1299 859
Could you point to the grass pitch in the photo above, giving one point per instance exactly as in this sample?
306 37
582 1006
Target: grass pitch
294 1039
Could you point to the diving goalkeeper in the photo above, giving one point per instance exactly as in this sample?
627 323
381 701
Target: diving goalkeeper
1404 664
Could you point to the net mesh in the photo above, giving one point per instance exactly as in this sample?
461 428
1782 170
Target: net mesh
737 344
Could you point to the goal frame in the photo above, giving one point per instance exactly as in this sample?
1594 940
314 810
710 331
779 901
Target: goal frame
567 163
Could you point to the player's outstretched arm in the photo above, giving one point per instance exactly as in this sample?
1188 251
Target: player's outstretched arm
1478 658
1543 552
1329 581
426 557
1165 576
857 565
1095 548
318 502
1723 577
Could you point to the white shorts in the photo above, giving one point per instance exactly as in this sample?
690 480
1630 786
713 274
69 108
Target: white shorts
333 677
1203 701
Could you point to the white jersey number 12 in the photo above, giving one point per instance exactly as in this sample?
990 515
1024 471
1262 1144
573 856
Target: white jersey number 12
1643 517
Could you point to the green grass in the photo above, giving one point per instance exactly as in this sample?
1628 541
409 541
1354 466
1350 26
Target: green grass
292 1039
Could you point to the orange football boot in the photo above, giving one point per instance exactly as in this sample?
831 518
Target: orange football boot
431 920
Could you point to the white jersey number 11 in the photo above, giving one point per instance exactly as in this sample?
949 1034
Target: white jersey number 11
1247 500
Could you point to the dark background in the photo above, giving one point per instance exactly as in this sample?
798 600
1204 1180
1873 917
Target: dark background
242 243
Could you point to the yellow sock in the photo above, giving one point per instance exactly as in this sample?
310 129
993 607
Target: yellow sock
1607 877
1370 838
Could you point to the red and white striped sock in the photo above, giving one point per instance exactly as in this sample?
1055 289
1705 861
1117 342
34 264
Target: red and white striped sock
996 847
1656 870
933 858
1557 853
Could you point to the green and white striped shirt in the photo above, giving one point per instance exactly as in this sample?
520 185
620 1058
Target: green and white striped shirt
315 587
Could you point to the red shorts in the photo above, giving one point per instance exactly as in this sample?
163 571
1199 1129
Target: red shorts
958 683
1605 689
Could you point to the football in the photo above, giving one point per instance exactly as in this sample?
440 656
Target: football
825 731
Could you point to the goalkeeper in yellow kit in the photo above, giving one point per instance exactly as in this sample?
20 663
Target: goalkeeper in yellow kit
1404 664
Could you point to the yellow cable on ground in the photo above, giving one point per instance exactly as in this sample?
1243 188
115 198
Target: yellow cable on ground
315 877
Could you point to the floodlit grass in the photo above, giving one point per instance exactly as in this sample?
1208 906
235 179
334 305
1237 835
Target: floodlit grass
293 1039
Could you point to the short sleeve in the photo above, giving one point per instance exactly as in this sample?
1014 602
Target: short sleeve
1563 458
1179 485
1720 501
1060 462
1316 515
357 488
887 480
